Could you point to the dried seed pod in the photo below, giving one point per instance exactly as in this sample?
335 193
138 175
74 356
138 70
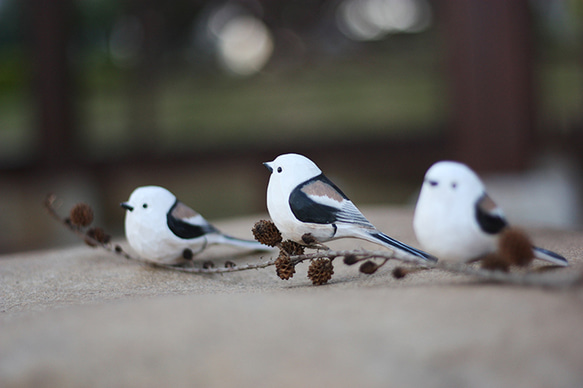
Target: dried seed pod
97 234
515 247
495 262
81 215
292 248
208 264
399 272
284 268
187 254
320 271
89 242
230 264
368 267
266 233
350 259
308 239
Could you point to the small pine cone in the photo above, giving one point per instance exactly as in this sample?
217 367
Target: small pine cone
495 262
515 246
266 233
368 267
292 248
284 268
320 271
97 234
81 215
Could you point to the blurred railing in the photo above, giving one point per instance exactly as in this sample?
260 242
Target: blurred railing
483 108
488 52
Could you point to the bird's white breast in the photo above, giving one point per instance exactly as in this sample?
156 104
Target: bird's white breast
155 241
450 232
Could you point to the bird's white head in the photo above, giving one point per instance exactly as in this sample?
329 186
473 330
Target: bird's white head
149 203
289 170
450 182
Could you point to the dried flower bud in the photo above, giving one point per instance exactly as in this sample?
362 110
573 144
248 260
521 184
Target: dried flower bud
308 239
284 268
515 246
320 271
292 248
81 215
350 259
97 234
368 267
208 264
230 264
399 272
495 262
266 233
187 254
89 242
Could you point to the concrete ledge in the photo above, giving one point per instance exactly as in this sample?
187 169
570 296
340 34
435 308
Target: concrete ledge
82 317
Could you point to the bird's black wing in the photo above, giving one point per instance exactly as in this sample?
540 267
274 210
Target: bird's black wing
489 215
306 209
320 201
186 223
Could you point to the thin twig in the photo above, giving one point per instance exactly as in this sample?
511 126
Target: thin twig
530 279
545 280
118 250
359 255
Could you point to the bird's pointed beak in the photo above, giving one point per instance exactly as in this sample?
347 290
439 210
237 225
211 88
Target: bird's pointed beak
268 166
126 206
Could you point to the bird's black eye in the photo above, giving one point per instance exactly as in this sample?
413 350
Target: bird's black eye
145 206
279 169
453 185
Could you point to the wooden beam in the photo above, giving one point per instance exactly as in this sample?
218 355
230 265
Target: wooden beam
490 57
48 28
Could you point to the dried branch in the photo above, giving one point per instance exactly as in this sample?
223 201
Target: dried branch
530 279
52 207
292 254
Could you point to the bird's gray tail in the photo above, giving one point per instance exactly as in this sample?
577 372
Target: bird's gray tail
550 256
241 243
400 247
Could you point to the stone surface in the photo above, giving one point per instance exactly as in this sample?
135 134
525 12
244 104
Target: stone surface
84 317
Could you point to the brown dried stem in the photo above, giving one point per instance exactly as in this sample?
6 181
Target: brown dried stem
531 279
50 205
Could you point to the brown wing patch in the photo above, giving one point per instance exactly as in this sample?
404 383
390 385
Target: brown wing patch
181 211
487 205
321 189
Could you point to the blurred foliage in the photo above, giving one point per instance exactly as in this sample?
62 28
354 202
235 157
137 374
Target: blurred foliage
393 87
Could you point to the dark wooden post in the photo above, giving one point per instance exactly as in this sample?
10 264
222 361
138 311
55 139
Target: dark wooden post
144 90
49 26
490 55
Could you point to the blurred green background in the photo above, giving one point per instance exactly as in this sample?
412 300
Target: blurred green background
194 95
